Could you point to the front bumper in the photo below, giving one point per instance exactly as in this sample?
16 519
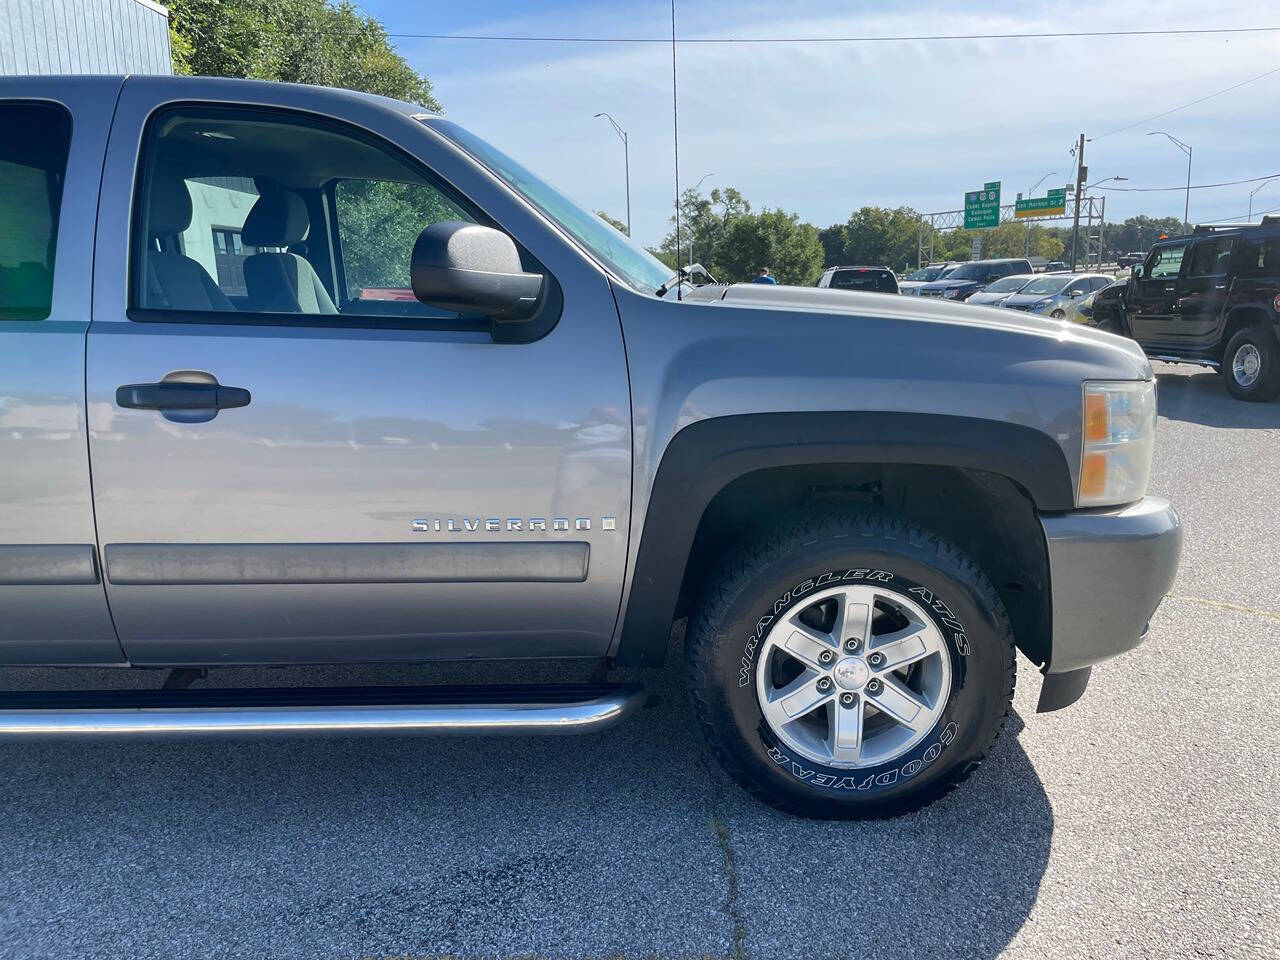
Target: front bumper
1110 569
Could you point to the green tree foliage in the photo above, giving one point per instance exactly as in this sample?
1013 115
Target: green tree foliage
299 41
1139 233
612 221
378 222
881 237
771 238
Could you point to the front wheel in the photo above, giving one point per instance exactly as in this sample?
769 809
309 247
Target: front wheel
850 665
1251 366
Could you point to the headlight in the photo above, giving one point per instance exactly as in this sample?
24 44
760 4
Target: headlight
951 293
1119 438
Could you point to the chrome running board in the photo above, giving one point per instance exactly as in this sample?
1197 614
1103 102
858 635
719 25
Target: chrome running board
323 711
1169 358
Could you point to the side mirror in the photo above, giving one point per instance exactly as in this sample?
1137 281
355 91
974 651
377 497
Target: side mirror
1135 271
473 269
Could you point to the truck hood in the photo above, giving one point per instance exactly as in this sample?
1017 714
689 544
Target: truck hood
827 302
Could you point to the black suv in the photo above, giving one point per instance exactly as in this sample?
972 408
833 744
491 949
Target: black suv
968 278
1213 298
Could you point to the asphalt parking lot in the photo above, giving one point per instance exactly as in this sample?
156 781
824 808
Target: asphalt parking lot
1143 822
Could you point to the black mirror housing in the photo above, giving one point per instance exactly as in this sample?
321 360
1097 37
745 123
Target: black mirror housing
472 268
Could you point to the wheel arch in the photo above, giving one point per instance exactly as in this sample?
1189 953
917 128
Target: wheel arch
1241 316
976 482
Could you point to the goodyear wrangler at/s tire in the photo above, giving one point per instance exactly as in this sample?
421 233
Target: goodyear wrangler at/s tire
850 665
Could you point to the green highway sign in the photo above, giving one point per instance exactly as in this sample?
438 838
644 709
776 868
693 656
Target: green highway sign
1053 204
982 207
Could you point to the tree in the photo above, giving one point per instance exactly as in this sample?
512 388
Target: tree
298 41
773 239
612 221
879 236
702 225
832 239
1140 232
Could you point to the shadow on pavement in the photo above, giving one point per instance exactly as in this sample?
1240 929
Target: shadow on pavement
613 844
1201 397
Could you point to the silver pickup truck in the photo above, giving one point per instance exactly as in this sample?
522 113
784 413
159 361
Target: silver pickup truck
291 375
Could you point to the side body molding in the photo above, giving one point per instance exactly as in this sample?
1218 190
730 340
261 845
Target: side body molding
706 456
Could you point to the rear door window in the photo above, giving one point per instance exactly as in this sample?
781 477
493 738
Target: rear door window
33 166
1210 258
877 281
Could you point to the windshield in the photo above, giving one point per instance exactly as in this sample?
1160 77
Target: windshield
618 253
1046 286
1008 285
927 273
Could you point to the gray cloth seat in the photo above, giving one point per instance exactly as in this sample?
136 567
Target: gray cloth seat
281 282
171 280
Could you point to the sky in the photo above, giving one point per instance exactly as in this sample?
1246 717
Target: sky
823 129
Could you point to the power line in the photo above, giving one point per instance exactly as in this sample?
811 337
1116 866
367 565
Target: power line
1234 86
1057 35
1183 187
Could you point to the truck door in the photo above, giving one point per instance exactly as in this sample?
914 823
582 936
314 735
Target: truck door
52 606
1153 293
1202 292
294 460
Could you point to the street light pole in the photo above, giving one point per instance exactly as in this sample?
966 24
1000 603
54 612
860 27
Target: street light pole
1101 219
626 161
1031 193
1253 192
1185 148
691 238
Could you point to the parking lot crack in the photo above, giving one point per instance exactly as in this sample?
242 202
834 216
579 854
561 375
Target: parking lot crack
1223 605
738 949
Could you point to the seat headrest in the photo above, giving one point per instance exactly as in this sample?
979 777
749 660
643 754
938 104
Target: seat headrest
170 210
278 218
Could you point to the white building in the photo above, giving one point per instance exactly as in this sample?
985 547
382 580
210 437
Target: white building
84 36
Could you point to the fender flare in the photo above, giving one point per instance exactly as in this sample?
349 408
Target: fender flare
706 456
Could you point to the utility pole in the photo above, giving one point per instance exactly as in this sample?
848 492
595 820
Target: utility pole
1081 172
1185 148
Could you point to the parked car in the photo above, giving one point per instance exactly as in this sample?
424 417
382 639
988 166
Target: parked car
556 450
968 278
913 281
1212 298
996 293
871 279
1054 294
1129 259
1055 266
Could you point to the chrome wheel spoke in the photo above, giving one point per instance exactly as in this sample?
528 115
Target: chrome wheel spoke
852 621
809 647
901 649
846 732
801 697
899 703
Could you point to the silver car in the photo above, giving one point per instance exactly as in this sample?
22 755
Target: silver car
1000 291
913 281
1054 294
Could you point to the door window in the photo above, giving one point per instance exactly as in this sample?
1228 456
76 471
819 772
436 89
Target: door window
32 169
1165 261
1210 258
266 217
1260 258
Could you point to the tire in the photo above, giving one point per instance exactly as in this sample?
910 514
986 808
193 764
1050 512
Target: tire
1058 315
1251 365
732 655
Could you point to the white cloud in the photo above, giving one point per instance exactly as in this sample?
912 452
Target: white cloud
824 128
